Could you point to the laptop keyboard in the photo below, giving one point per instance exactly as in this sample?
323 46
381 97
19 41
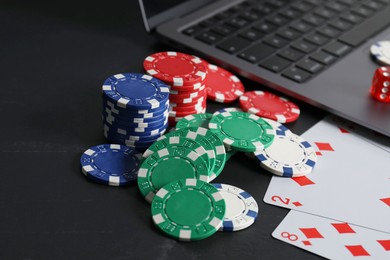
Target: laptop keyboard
296 39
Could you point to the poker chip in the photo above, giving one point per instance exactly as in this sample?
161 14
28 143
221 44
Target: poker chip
210 142
133 90
288 156
172 141
242 131
223 86
227 109
178 69
191 208
196 120
381 52
241 208
169 164
268 105
110 164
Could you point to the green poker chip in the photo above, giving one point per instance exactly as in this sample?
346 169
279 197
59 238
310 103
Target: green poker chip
180 141
242 131
167 165
195 120
213 145
188 209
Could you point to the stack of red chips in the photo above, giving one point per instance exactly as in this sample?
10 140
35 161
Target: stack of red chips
186 75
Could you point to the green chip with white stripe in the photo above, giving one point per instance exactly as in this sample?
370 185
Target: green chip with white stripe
242 131
188 209
169 164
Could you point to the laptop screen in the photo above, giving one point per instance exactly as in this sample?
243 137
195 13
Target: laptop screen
155 12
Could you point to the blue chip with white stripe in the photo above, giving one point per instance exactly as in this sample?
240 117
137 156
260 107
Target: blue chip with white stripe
288 156
278 127
111 164
241 208
135 91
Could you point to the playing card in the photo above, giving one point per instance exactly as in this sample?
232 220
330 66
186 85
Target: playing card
332 239
350 183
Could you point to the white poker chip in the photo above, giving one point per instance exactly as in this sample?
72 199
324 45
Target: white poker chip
241 208
288 156
227 109
381 52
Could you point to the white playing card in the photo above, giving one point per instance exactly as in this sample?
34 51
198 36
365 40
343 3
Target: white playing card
332 239
350 183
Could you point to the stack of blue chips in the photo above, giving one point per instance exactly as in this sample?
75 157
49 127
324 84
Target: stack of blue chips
135 109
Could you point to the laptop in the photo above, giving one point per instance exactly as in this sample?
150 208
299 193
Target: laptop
317 51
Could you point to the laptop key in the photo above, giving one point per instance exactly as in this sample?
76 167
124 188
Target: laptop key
363 11
317 39
313 19
275 64
315 2
301 26
352 18
278 20
264 27
302 6
323 57
310 66
192 30
264 9
329 31
290 13
251 34
325 12
296 74
340 24
373 5
250 15
288 33
223 30
237 22
209 37
348 2
291 54
257 52
233 44
304 46
337 48
275 41
336 6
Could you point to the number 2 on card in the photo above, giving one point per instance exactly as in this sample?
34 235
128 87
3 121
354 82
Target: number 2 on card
285 201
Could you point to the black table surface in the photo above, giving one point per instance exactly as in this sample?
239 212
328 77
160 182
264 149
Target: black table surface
54 57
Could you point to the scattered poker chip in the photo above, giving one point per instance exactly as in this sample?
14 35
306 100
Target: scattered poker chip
137 91
268 105
178 69
110 164
196 120
288 156
209 141
241 208
181 141
223 86
242 131
169 164
227 109
381 52
192 209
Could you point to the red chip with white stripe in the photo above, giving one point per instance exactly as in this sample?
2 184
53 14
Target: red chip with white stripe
176 68
268 105
222 86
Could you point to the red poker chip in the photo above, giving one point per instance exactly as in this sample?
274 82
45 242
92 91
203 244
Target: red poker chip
196 108
187 89
222 86
268 105
189 100
176 68
198 102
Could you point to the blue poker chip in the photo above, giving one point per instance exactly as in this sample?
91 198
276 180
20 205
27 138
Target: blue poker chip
138 131
110 120
278 127
135 91
111 164
107 104
241 208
